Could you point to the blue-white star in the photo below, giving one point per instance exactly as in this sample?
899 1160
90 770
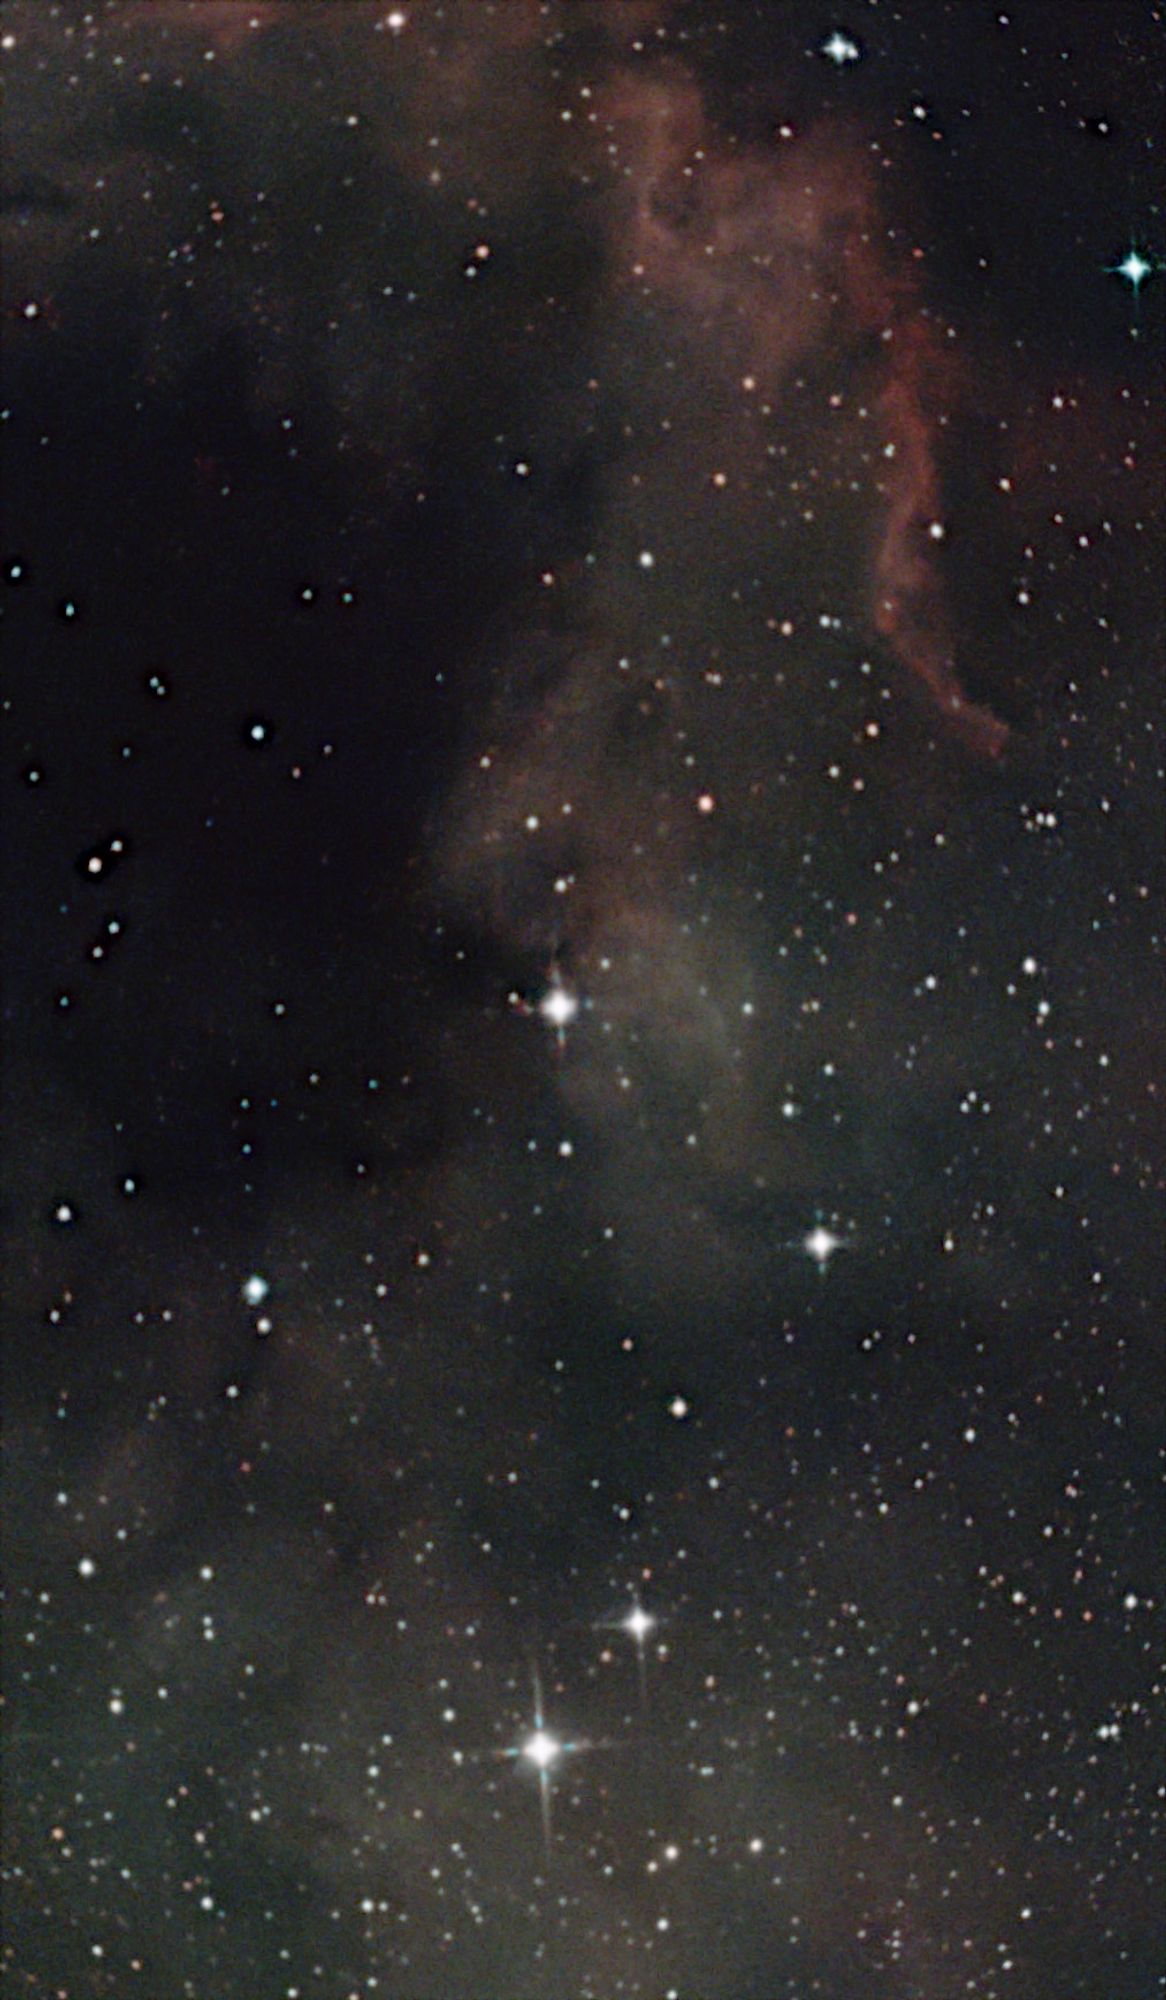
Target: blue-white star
1134 268
840 48
543 1749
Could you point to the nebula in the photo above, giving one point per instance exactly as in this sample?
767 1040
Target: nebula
580 1147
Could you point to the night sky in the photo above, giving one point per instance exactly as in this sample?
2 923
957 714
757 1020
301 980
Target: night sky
583 1018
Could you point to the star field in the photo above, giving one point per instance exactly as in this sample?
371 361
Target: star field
583 1033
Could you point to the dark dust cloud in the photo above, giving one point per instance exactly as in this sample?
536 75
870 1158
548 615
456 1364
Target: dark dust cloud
583 1051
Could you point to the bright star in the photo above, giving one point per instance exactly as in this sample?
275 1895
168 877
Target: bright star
1134 268
639 1623
841 49
820 1243
542 1748
558 1006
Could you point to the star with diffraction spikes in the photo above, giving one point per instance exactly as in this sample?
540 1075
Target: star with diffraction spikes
557 1005
639 1625
543 1750
839 49
820 1244
1134 268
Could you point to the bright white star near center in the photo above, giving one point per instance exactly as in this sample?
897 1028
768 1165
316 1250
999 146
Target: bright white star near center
541 1748
1135 269
821 1242
841 49
558 1007
639 1623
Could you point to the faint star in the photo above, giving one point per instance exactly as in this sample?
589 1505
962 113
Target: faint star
841 49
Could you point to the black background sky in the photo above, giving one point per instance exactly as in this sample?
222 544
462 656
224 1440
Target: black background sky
605 506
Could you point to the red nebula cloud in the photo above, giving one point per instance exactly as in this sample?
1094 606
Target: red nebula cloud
780 256
908 601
